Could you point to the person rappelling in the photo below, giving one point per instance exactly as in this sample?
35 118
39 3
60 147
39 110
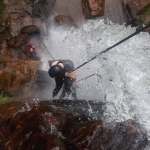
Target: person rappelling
62 72
31 48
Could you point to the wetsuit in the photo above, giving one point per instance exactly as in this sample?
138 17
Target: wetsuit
65 81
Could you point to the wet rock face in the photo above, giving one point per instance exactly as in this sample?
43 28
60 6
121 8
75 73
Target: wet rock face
126 134
42 8
23 37
51 126
16 74
137 11
41 125
123 136
18 25
31 29
64 20
137 6
2 28
93 8
18 41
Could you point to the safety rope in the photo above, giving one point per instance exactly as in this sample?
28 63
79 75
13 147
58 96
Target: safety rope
86 77
109 48
39 36
45 47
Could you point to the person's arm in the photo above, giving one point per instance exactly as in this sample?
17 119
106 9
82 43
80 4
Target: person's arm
69 66
72 75
59 83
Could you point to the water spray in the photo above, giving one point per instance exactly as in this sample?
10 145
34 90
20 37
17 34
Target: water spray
109 48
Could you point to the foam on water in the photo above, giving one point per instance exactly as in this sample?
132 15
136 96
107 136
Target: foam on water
123 73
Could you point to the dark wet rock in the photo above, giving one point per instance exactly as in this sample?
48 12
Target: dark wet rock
44 116
137 7
1 42
14 16
7 111
2 28
39 127
51 125
137 12
17 77
17 41
114 11
4 132
100 139
21 40
11 42
80 132
42 8
5 32
31 29
93 110
28 1
126 135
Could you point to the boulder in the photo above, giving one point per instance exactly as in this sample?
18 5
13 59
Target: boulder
137 12
64 20
116 15
138 6
42 8
15 73
123 136
31 29
93 8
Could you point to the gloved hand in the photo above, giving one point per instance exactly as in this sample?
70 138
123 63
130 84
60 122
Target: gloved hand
72 75
55 92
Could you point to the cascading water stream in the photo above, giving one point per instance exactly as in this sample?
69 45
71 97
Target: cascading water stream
123 73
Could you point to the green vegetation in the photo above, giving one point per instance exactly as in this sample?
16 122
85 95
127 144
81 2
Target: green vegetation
2 5
148 11
4 97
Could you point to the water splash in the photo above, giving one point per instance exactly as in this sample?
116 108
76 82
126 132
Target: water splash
123 79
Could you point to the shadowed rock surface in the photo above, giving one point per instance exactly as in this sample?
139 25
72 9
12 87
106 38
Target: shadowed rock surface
65 125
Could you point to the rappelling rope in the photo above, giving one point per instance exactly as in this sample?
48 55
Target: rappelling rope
45 47
39 36
86 77
109 48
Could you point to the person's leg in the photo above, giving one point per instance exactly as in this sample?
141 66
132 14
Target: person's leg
64 91
74 95
71 88
66 88
68 85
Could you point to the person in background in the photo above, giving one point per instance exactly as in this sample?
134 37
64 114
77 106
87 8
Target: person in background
31 47
62 71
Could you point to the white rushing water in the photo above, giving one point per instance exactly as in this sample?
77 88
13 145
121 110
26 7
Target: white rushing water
123 73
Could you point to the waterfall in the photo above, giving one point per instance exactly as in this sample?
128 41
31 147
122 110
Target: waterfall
122 77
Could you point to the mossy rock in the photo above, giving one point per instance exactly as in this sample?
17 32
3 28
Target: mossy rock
2 5
143 17
5 97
